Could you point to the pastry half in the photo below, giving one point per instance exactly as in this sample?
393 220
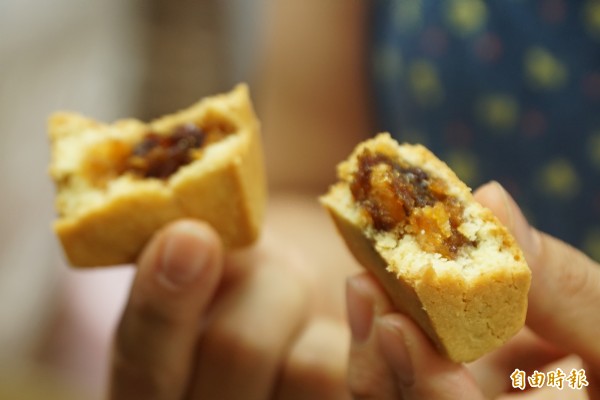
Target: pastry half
116 184
444 259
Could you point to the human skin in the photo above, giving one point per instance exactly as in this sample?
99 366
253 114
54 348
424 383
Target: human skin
313 103
267 322
391 358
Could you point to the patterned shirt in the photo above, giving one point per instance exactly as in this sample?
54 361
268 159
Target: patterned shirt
501 89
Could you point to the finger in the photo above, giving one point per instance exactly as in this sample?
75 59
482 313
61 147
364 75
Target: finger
526 351
493 196
176 278
391 358
422 373
369 376
317 364
253 326
565 289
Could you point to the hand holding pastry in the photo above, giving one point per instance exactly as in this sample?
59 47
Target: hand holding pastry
392 358
443 259
201 324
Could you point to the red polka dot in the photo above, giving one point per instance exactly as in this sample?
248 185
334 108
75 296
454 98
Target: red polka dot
590 85
489 47
553 11
434 41
459 133
533 123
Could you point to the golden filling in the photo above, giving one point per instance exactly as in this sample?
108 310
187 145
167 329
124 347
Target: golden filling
156 155
405 199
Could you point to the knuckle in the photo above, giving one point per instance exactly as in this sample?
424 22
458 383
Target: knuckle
569 273
127 375
140 329
154 312
151 313
361 381
136 366
133 376
367 379
362 385
318 358
244 339
238 344
236 350
577 280
574 282
127 353
314 374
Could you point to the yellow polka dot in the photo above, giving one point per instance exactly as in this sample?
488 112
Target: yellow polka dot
593 149
498 111
425 83
388 63
591 18
543 70
406 15
559 179
591 243
465 165
466 16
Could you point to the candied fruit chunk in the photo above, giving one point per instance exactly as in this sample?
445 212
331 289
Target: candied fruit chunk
405 199
159 156
383 201
387 190
431 227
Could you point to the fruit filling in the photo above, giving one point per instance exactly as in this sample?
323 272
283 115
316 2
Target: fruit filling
159 156
156 155
407 200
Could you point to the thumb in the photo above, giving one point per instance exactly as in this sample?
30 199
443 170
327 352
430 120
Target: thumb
564 297
390 357
421 371
177 276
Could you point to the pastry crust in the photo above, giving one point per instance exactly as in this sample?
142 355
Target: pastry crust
468 305
106 216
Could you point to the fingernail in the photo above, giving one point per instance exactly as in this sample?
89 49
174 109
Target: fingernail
527 237
183 256
360 310
394 348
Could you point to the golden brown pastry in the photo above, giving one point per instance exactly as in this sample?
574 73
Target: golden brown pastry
443 258
117 184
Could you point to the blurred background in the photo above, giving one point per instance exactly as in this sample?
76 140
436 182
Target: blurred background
105 59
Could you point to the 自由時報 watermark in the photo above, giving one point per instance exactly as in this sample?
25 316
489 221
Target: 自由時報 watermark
557 378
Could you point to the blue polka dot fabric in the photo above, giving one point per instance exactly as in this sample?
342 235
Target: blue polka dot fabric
507 90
